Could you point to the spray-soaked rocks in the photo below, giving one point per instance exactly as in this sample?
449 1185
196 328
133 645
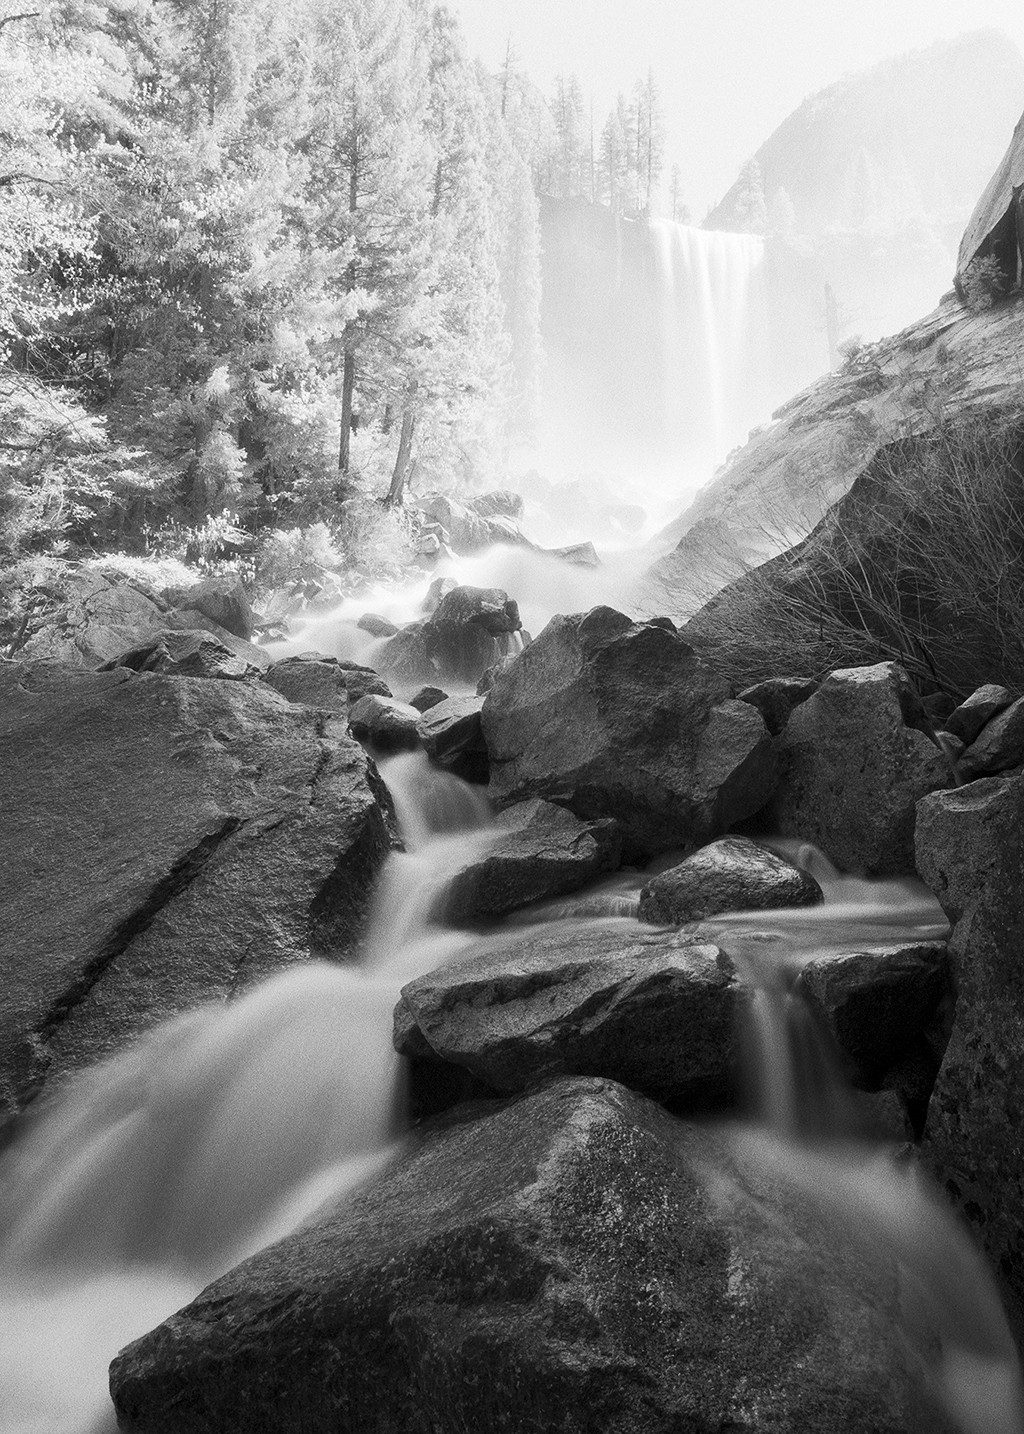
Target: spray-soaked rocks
613 718
598 998
853 769
313 680
470 630
165 841
538 851
731 874
574 1260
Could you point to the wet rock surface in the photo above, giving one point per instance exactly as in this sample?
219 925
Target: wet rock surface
186 654
731 874
967 720
539 851
970 848
313 680
573 1260
998 746
853 771
166 841
385 723
452 737
599 999
621 719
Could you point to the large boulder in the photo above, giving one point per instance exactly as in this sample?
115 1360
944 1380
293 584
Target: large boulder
386 724
614 718
970 850
92 621
539 851
853 770
313 680
165 841
731 874
590 999
468 631
575 1260
452 737
998 746
490 608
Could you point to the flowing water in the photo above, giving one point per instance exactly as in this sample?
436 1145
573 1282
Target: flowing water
227 1127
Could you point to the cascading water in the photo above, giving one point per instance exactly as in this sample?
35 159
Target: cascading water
226 1128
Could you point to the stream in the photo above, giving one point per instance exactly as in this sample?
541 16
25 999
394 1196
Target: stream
225 1128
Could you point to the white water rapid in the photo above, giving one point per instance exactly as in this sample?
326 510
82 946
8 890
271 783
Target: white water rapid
225 1128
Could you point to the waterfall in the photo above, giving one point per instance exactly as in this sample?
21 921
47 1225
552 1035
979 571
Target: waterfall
656 340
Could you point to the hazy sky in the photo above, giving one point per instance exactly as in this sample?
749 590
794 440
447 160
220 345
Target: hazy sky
729 70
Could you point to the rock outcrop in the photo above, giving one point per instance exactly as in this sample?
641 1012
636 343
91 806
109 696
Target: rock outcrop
970 850
184 653
621 719
93 621
853 771
166 841
573 1260
731 874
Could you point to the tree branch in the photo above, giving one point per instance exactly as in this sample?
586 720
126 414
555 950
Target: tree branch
25 15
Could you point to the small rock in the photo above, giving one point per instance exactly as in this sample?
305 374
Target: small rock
776 698
731 874
998 747
580 555
967 720
427 697
451 736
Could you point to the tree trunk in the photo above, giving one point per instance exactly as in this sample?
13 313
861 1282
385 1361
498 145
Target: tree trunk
396 492
348 388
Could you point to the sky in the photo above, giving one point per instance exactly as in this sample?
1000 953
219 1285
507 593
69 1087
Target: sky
729 70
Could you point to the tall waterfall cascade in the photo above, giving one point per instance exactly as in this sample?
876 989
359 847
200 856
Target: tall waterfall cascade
657 347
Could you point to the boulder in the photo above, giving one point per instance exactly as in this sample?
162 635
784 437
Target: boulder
499 503
222 599
776 698
489 608
574 1260
386 724
438 589
970 850
878 1003
582 999
447 650
427 697
967 720
376 625
468 531
612 718
165 841
731 874
191 620
186 654
998 746
312 680
539 851
451 736
93 621
579 555
853 771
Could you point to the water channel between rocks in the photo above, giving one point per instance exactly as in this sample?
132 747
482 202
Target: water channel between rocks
226 1128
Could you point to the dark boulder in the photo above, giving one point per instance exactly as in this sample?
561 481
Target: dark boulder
385 724
191 619
970 851
614 718
575 1260
222 599
451 736
967 720
853 770
165 841
427 697
539 851
593 999
731 874
178 653
490 608
878 1004
376 625
998 746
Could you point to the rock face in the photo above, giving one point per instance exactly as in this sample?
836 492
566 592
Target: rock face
186 654
731 874
312 680
878 1003
222 599
191 619
853 771
659 1018
95 622
621 719
573 1260
970 850
541 851
166 841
